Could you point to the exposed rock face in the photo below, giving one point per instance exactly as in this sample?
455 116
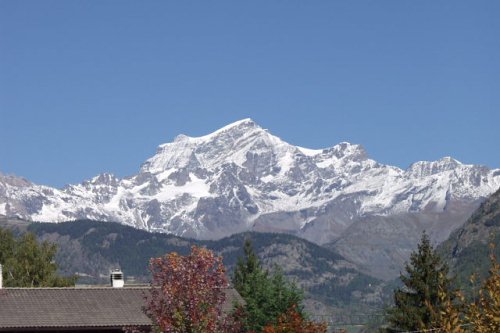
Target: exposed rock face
243 178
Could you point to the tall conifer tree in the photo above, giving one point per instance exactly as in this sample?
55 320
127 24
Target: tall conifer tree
425 278
267 296
245 267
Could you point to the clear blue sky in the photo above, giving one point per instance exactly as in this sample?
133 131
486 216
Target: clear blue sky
95 86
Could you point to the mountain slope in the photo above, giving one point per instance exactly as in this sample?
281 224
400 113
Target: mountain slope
92 249
467 248
242 178
380 245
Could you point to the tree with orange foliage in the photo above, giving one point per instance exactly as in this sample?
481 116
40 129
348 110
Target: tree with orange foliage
187 293
484 314
293 322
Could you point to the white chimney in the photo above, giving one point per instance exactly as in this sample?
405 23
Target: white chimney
1 281
116 278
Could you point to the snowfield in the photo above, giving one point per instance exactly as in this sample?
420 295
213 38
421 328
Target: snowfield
241 177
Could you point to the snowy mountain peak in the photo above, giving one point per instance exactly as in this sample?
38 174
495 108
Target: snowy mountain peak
346 149
104 179
228 144
236 127
242 177
427 168
13 181
231 131
179 138
243 124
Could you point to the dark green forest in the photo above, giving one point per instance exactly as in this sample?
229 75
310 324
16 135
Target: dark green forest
94 248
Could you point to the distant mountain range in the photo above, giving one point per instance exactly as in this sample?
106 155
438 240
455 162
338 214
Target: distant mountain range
242 178
331 282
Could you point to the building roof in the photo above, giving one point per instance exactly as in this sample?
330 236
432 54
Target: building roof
55 308
72 307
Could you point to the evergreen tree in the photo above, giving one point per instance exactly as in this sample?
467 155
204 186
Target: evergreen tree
425 278
28 263
267 296
245 268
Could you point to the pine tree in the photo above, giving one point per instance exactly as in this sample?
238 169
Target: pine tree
425 278
267 296
245 267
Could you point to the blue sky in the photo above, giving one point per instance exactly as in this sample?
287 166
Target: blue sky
95 86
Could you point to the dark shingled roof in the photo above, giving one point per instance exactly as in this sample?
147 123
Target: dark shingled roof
78 307
72 307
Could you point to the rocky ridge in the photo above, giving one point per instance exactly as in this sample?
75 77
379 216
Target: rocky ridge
242 178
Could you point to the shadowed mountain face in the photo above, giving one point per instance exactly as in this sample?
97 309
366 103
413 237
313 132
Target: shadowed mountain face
92 249
467 248
380 245
242 178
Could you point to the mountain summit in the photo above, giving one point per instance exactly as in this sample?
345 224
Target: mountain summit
241 177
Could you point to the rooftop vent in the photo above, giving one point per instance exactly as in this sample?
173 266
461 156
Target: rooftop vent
116 278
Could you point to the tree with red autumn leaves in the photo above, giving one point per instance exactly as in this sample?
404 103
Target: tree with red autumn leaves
293 322
187 293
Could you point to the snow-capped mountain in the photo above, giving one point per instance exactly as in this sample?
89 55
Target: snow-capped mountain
241 177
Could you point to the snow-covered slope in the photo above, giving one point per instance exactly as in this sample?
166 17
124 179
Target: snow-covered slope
241 177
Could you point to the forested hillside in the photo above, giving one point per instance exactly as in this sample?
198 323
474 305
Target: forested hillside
91 249
467 249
